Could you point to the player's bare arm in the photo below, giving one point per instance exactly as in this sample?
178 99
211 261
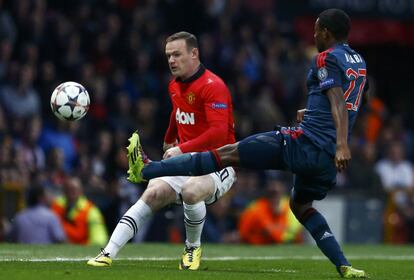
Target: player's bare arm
300 114
340 116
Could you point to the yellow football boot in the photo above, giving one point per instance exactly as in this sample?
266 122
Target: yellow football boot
350 272
191 259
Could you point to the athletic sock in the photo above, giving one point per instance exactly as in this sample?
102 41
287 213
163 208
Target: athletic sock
317 226
128 226
193 164
194 217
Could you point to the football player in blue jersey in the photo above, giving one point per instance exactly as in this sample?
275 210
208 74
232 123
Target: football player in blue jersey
314 150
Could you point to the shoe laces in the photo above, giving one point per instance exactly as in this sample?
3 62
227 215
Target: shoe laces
104 253
190 252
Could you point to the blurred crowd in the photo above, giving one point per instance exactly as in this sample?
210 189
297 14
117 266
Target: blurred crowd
115 48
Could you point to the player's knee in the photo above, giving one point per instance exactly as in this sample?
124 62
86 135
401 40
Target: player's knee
150 196
155 198
299 209
190 195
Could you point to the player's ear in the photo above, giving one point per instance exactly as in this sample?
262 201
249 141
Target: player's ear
327 34
194 53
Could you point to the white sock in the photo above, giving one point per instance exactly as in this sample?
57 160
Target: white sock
194 217
128 226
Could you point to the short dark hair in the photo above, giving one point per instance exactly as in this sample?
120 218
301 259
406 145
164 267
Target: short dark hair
35 194
337 22
190 39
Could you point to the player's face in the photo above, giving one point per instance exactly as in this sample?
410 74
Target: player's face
181 60
72 190
320 36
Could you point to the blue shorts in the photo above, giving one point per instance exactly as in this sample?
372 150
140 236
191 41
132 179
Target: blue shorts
289 149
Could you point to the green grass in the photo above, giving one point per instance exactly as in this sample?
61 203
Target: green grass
160 261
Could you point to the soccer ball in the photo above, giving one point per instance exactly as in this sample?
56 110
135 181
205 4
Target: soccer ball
70 101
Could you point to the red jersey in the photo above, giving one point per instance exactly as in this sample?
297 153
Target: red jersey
202 115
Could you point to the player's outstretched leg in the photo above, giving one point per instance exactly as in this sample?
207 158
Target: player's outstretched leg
264 146
142 169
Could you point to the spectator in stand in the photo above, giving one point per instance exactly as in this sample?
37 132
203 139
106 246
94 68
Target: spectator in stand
20 99
62 137
82 220
12 174
361 175
375 115
269 219
37 224
398 180
6 51
54 176
395 171
3 125
33 157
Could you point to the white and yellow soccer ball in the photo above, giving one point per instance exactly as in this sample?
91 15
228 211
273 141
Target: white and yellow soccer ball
70 101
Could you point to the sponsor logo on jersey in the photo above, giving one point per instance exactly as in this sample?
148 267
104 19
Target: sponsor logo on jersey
184 117
322 74
326 83
190 97
218 105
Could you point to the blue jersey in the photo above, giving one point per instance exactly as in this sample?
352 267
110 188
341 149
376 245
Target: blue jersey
339 66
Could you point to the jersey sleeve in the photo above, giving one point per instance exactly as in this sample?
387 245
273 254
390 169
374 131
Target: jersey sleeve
172 133
216 107
329 71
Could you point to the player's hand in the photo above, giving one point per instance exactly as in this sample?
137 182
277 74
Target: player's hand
300 115
172 152
167 146
342 157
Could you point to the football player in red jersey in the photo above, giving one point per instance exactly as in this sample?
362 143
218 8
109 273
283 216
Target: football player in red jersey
201 120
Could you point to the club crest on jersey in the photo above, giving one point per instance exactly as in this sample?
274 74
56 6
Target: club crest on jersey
190 98
322 74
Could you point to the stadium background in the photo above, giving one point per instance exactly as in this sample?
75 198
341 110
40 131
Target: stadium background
260 48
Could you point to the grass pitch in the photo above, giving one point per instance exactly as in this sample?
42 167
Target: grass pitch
160 261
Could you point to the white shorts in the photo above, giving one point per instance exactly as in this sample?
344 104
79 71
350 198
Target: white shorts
223 180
